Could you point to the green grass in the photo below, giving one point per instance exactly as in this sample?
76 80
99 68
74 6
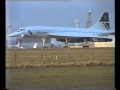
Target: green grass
36 68
47 57
61 77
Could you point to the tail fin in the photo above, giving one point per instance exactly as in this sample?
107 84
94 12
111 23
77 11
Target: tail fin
103 23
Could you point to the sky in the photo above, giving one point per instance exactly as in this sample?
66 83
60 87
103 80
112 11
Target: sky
22 13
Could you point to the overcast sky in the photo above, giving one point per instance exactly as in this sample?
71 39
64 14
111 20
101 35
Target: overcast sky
56 13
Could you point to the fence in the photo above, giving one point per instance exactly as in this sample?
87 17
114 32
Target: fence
55 57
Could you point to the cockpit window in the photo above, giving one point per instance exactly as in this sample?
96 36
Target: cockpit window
21 29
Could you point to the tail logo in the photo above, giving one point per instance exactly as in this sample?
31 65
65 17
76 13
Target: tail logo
105 20
107 26
105 17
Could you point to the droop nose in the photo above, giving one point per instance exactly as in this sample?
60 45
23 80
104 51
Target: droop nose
15 34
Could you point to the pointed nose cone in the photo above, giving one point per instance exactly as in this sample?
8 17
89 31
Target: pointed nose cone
15 34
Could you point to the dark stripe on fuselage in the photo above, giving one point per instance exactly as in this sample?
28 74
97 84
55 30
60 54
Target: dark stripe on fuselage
30 33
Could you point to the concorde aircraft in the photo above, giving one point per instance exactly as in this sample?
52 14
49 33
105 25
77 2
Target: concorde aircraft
99 30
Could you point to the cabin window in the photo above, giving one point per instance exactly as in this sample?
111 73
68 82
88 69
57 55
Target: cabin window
21 29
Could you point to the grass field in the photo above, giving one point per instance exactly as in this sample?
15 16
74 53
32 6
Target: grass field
61 77
28 58
60 68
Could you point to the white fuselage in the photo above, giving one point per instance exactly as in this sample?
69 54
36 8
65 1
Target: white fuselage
39 31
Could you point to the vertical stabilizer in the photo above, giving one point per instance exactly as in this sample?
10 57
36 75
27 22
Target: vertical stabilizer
103 23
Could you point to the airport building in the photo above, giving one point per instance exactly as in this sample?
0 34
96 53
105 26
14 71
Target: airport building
53 42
